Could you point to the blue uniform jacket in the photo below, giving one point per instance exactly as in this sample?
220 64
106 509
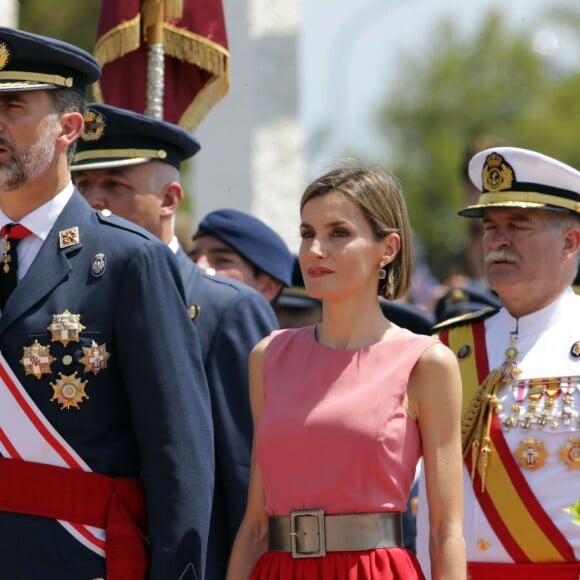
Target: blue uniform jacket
148 412
232 319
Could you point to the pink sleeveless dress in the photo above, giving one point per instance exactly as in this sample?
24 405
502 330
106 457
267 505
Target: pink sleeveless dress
333 434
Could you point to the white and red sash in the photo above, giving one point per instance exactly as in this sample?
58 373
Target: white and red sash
26 434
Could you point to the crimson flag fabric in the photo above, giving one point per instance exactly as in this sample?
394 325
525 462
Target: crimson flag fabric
196 68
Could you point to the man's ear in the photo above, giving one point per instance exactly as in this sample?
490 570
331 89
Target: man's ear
269 287
71 125
171 198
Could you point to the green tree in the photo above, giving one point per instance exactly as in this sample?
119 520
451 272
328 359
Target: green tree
490 83
74 22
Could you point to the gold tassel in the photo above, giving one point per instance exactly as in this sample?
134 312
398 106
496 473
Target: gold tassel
173 9
476 424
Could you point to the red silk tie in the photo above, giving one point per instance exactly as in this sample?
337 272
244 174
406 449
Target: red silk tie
10 236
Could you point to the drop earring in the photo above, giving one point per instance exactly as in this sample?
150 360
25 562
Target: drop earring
382 273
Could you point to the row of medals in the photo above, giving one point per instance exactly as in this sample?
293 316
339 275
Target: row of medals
540 404
68 390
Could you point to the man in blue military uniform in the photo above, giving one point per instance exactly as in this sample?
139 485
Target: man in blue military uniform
106 438
129 164
240 246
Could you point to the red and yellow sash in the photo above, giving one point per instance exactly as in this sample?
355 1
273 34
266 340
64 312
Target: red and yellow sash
525 530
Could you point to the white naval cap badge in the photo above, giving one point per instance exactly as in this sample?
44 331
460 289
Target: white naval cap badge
575 350
99 264
68 237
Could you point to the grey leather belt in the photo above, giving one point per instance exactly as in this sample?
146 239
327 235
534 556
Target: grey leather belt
311 533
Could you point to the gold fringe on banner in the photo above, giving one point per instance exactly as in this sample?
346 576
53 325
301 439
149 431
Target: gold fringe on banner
118 41
205 99
195 49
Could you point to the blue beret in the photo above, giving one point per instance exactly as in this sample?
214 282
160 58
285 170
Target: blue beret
115 137
252 239
31 62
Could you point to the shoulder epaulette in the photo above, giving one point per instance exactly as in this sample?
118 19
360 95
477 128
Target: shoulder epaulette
106 217
463 319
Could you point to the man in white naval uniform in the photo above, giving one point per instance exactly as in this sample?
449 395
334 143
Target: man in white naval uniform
521 374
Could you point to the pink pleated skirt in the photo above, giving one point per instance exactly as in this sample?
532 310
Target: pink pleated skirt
383 564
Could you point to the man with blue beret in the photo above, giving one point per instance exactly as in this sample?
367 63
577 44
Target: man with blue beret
520 365
240 246
129 164
106 438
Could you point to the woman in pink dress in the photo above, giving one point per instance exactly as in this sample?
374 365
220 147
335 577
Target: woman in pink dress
344 409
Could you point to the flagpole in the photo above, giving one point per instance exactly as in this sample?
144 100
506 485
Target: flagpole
153 17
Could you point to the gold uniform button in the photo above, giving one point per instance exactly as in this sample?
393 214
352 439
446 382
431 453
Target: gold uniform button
67 359
482 545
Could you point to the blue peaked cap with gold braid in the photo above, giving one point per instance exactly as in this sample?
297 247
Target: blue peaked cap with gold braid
115 137
30 62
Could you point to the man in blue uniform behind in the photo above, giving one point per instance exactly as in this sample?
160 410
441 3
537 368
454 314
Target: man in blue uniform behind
106 437
129 164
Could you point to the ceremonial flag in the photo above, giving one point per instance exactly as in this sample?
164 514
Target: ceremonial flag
193 73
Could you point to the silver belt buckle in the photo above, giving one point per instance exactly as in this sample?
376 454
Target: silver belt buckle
319 529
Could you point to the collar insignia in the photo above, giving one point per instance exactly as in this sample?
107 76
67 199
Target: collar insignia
69 237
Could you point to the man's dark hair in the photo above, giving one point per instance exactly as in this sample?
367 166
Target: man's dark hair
68 101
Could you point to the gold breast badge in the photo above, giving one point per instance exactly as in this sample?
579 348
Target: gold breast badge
69 391
95 358
571 453
531 454
36 359
65 327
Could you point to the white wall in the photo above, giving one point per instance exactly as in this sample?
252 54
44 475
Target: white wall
9 13
252 156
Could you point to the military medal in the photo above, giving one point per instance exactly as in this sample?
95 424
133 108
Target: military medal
531 454
571 453
95 358
69 391
509 367
6 258
36 359
65 327
520 391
